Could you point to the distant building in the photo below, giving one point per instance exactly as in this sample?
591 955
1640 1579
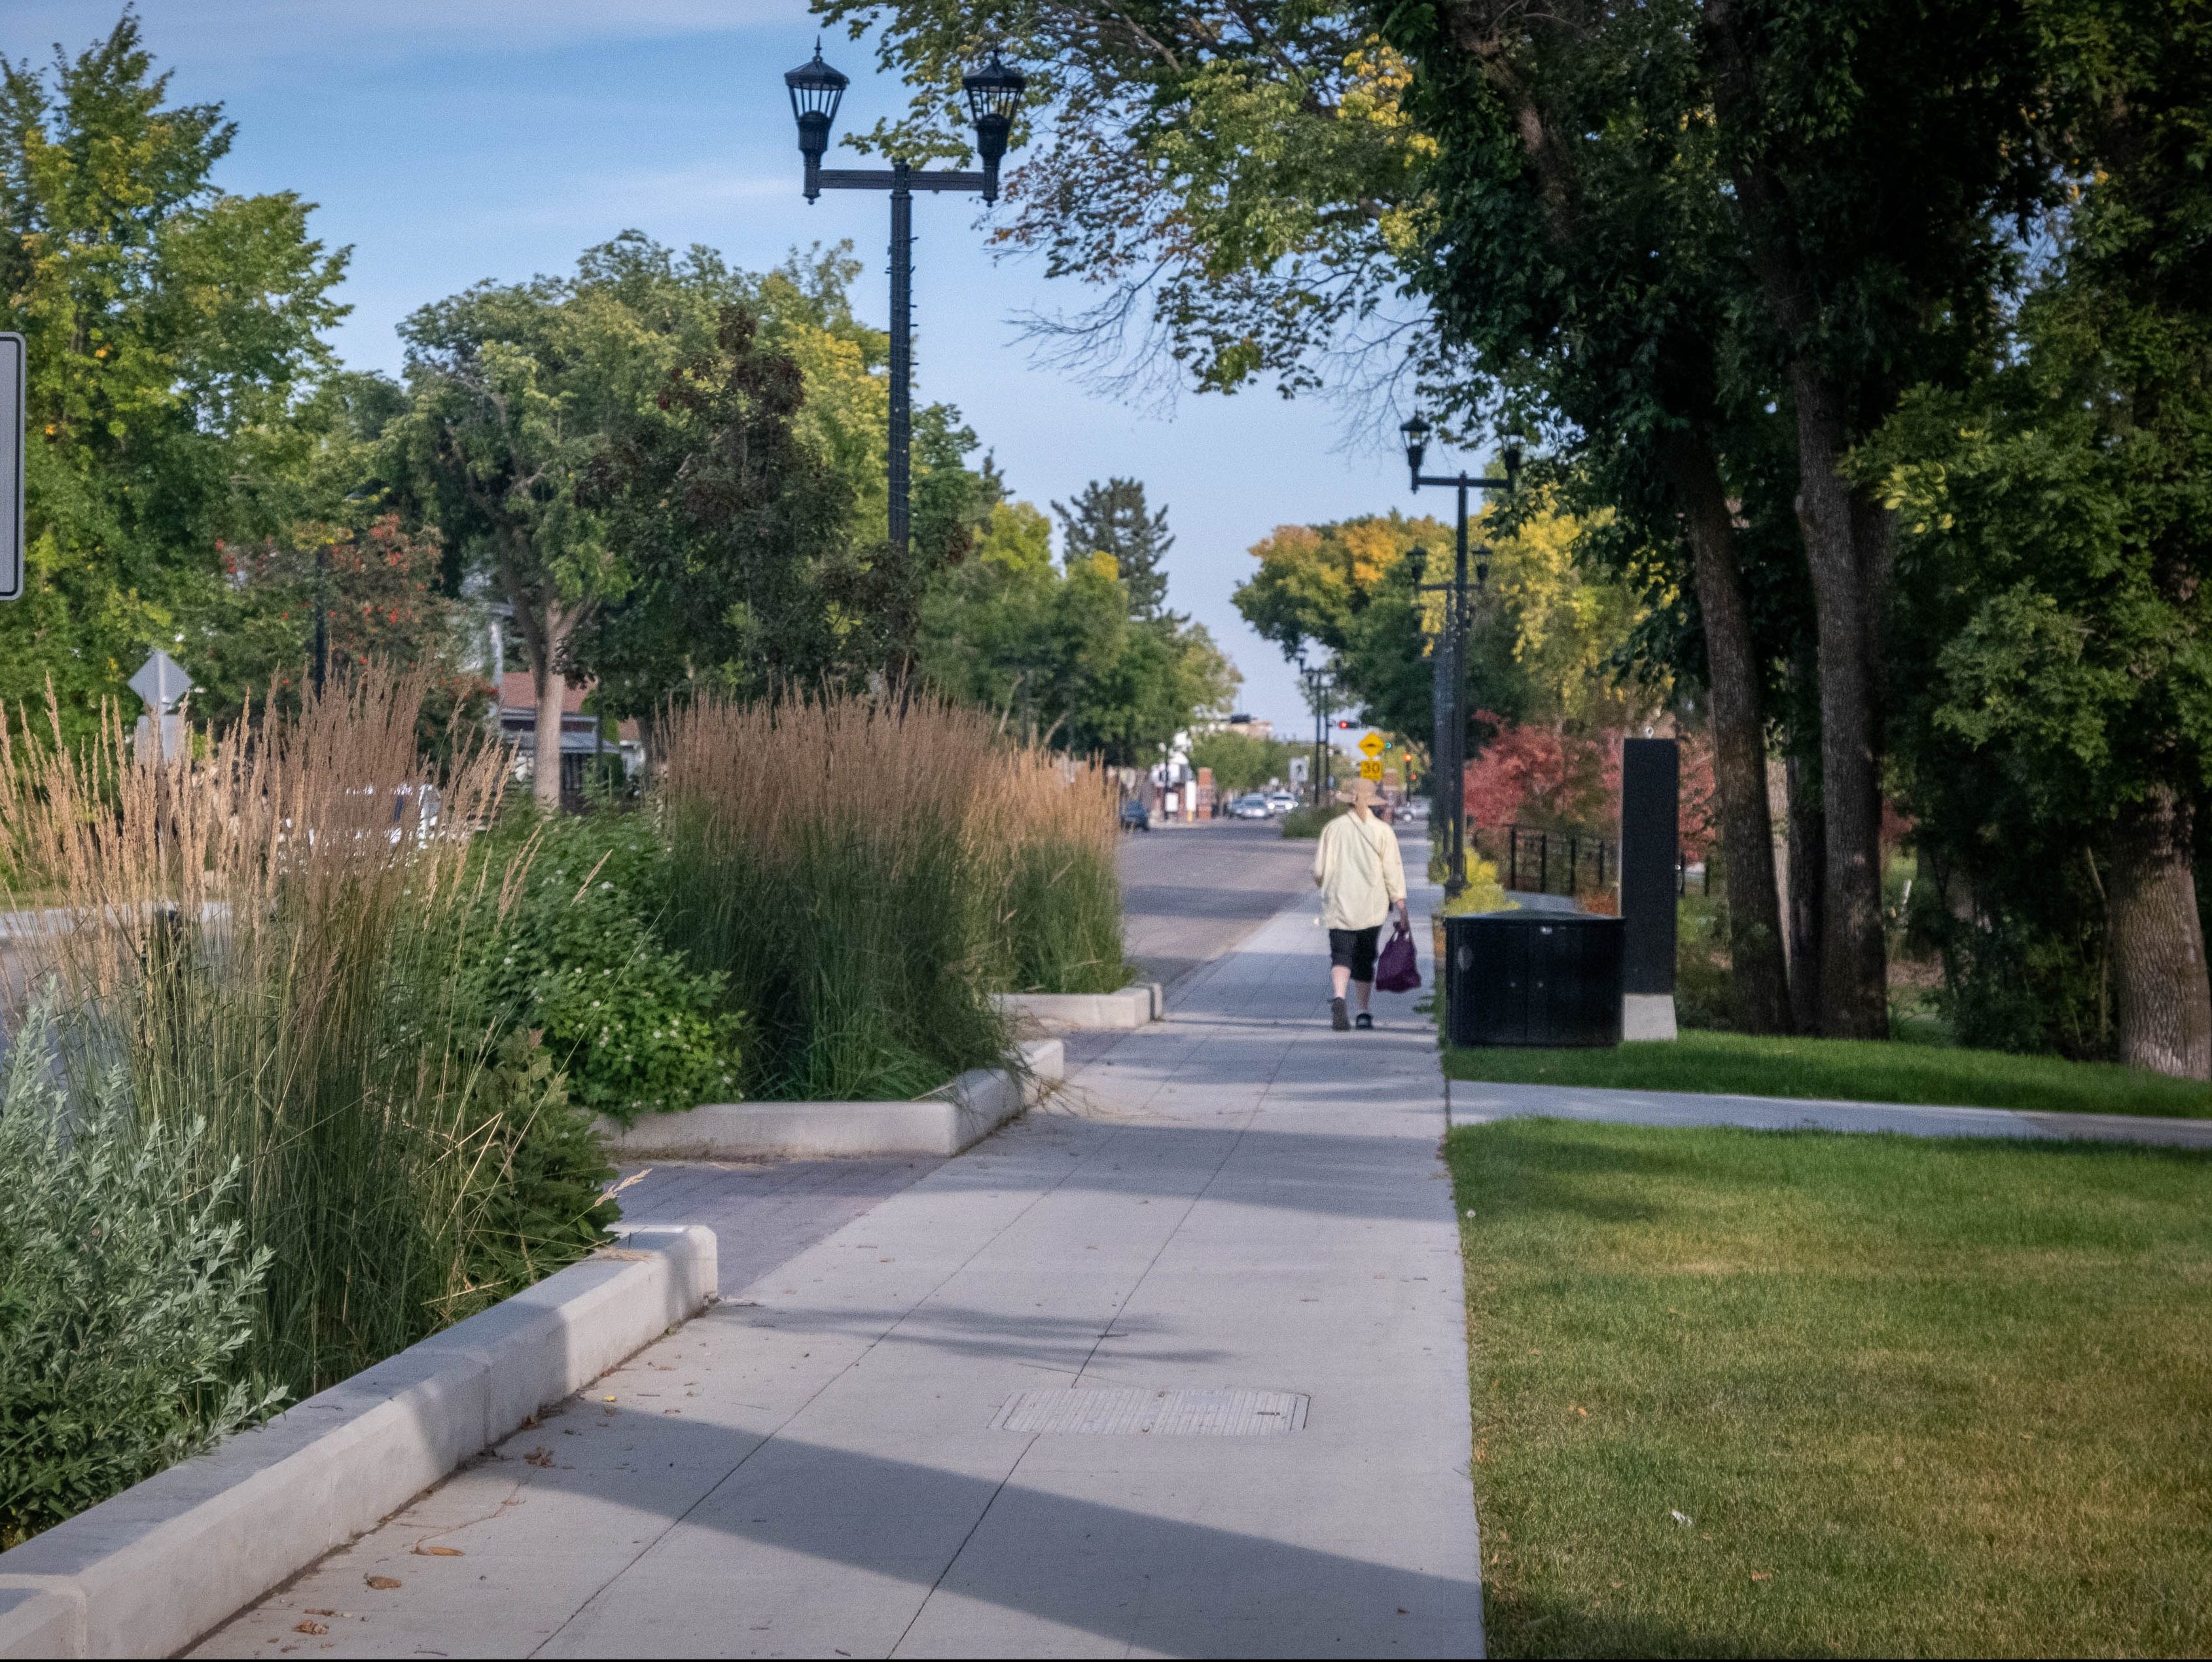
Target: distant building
580 734
1247 726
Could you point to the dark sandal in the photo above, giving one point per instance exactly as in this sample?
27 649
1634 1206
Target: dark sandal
1363 1021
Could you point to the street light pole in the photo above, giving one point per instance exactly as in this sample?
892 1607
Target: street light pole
322 614
1449 774
1318 687
994 94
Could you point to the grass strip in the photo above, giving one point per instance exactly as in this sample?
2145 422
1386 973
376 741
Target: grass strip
1743 1392
1849 1070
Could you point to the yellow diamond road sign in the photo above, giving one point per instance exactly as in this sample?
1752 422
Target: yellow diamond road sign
1371 745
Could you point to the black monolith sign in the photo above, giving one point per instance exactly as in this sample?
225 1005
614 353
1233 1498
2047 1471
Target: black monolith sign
1651 844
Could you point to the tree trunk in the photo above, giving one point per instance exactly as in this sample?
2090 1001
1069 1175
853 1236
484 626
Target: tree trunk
1761 982
552 689
1854 975
1809 858
2162 1001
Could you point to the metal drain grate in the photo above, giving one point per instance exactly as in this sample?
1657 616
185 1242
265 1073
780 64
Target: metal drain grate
1132 1411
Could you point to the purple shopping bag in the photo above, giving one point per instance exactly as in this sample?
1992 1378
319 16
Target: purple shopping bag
1396 969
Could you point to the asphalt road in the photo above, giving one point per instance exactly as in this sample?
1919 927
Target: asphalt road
1190 893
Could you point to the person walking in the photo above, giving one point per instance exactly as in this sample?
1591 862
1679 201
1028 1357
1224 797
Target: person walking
1361 879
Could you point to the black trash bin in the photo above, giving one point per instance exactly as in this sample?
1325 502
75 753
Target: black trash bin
1532 977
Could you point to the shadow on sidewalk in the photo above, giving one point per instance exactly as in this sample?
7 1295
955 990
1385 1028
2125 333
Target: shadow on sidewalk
1133 1577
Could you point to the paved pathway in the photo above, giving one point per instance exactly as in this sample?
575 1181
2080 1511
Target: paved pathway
1235 1199
1190 893
765 1213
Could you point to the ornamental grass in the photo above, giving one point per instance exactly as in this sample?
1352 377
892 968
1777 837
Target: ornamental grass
273 937
868 870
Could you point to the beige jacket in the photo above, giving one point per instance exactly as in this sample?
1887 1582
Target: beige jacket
1356 868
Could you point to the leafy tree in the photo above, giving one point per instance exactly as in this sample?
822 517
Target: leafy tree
1111 519
383 593
1056 649
735 530
1651 225
1869 185
2053 680
173 329
1580 251
805 310
517 390
1241 761
1262 194
1548 641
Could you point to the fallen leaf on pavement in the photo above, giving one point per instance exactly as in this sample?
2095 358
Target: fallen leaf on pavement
382 1583
540 1456
311 1627
421 1551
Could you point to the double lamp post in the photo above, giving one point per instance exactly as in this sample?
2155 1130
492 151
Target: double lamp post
1320 683
994 95
1448 754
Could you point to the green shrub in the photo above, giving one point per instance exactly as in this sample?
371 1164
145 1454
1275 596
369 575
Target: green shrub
1308 821
1483 892
127 1296
549 1207
1704 990
578 959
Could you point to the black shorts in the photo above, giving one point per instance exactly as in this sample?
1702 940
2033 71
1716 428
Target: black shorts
1354 950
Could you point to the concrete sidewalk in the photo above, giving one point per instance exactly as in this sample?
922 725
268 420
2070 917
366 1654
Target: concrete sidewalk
1236 1202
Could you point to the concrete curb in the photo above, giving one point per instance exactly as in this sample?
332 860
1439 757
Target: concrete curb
149 1571
1053 1012
942 1123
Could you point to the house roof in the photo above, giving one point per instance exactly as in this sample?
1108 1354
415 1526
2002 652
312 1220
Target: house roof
517 703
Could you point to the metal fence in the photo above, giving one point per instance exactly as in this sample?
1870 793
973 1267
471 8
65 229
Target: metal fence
1532 861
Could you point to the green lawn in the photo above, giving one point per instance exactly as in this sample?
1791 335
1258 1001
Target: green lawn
1908 1396
1850 1069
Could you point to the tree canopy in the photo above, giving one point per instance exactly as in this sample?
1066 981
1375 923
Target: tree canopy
175 353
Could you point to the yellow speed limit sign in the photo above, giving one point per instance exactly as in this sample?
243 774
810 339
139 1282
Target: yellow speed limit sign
1371 746
1370 769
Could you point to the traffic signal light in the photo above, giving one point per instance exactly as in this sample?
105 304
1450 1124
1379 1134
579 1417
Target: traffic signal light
1344 724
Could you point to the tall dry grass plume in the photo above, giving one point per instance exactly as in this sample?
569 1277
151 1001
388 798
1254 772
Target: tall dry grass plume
869 869
272 934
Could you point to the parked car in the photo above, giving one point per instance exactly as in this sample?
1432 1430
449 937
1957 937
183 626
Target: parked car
1280 802
1252 805
1135 816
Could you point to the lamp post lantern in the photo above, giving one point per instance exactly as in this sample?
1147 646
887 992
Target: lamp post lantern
1448 759
994 96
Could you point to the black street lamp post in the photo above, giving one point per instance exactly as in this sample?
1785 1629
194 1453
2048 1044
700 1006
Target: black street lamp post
1320 683
1448 760
994 94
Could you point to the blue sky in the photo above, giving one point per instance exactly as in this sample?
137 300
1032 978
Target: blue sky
452 142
